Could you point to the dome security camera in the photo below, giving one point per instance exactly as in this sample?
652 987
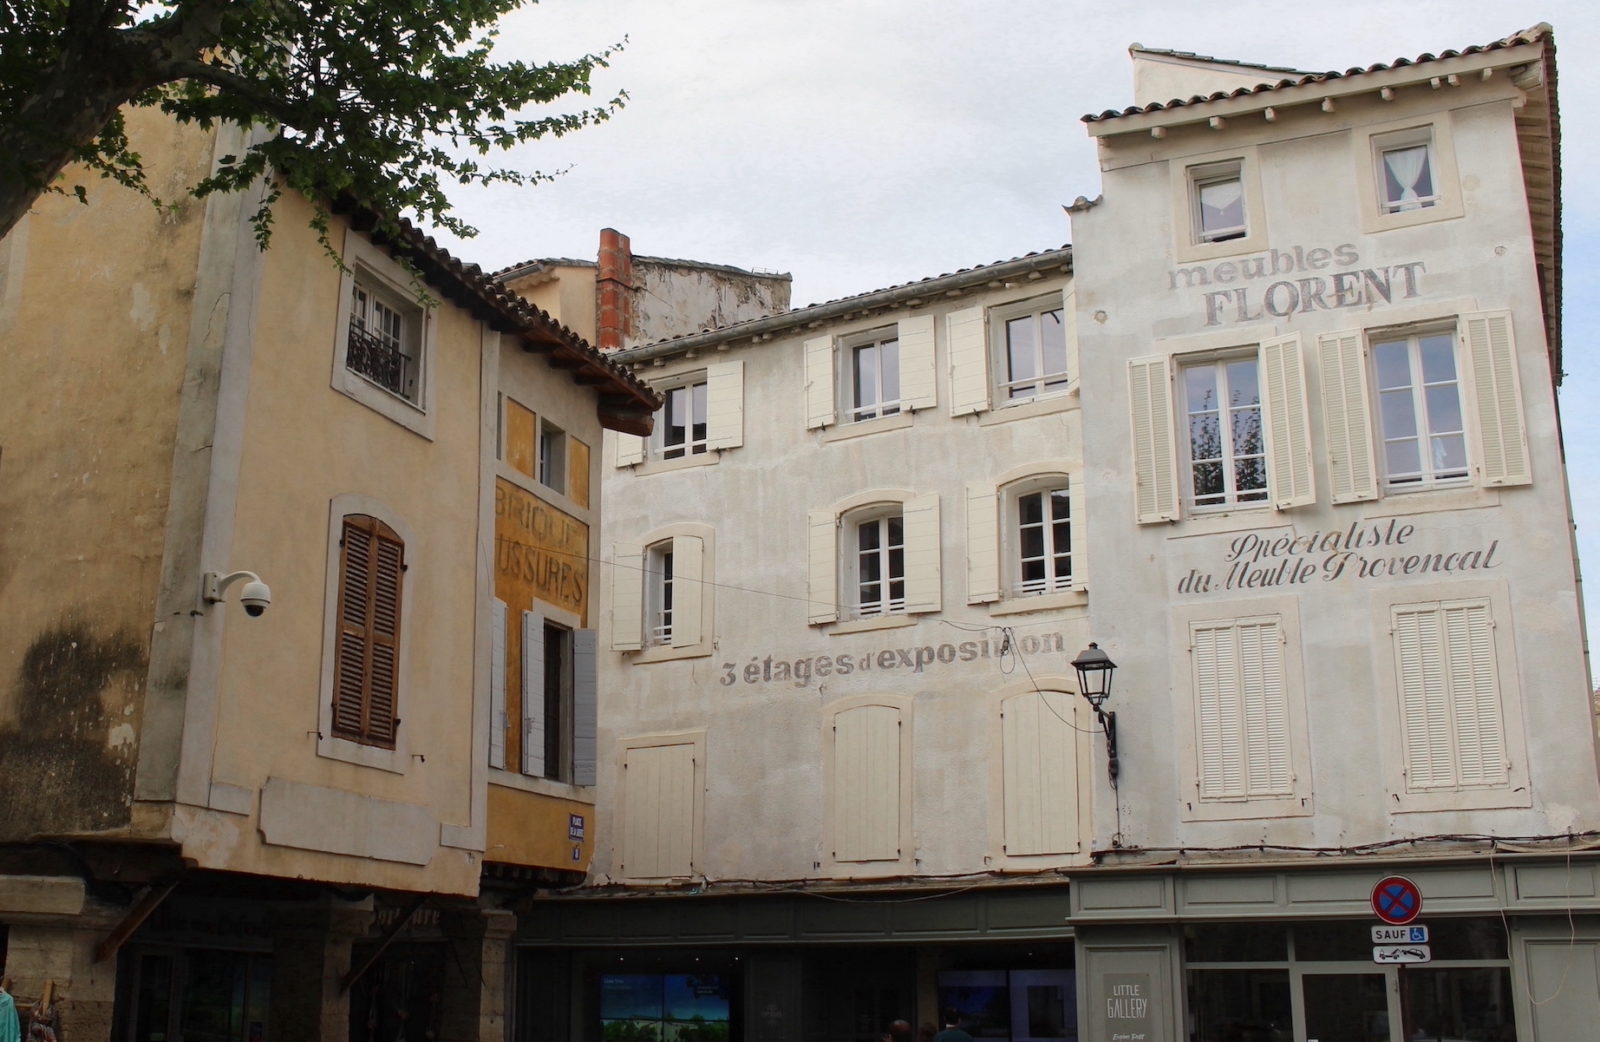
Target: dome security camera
256 597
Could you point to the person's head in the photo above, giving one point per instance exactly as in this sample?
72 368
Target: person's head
900 1031
952 1017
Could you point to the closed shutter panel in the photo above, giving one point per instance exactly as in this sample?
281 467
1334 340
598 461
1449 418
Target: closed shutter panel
819 382
1155 467
371 564
1080 528
1452 728
917 379
658 809
1475 694
1039 775
866 784
688 590
1288 423
983 543
533 719
629 448
1424 699
497 685
1217 712
585 706
822 570
1502 431
628 580
923 576
969 365
1264 706
1242 710
1347 418
725 405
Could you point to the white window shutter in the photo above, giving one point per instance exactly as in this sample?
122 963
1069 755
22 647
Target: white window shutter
629 449
725 404
1078 501
1347 418
1450 714
533 721
866 784
983 543
1155 465
497 685
1288 423
585 706
1502 432
1216 714
1424 699
688 589
820 396
1039 773
1268 762
918 388
1241 710
822 571
1475 694
969 363
923 577
658 812
627 596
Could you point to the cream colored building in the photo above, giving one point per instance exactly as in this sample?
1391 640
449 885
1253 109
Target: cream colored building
246 825
1294 466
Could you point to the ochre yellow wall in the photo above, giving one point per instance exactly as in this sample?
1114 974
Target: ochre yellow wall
527 828
94 325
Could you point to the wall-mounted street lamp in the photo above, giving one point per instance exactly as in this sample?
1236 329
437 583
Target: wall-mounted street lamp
1094 684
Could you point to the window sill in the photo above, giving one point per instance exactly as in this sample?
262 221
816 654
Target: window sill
1462 799
1231 519
1023 603
667 653
661 466
1248 810
876 622
386 403
333 748
846 431
542 786
1429 498
1040 405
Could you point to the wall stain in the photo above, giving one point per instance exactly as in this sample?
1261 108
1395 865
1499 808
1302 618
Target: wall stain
55 761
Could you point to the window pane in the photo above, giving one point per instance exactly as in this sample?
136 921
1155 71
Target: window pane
1229 942
1205 439
1021 348
1030 508
889 370
1403 460
1459 1003
1250 475
676 428
1032 538
1061 537
866 375
1221 206
1247 432
1207 482
1438 358
1234 1005
1242 388
1200 383
896 531
1393 364
1399 418
1053 342
1444 408
1060 503
869 534
1449 456
698 392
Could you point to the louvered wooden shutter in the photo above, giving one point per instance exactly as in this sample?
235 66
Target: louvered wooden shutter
822 569
585 706
371 566
1452 728
924 579
1155 467
820 396
1040 774
1347 418
1288 423
725 405
1078 501
983 543
658 811
1502 432
497 685
629 449
1241 710
688 589
969 363
628 580
533 695
917 379
866 784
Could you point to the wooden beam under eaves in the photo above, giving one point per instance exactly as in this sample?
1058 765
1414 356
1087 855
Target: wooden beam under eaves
148 902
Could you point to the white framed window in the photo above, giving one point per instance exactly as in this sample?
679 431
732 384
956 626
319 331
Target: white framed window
662 594
1024 534
702 414
552 456
1225 445
1043 550
1407 175
874 557
1217 202
1242 436
383 338
1448 404
872 377
877 374
558 700
1422 425
1030 350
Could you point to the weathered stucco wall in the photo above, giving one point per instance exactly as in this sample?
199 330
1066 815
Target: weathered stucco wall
95 316
676 299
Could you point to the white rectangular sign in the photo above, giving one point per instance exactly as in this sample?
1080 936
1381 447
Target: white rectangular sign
1400 934
1393 953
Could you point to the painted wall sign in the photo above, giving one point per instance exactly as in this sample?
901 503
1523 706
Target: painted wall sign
802 671
1240 291
1126 1005
1363 552
539 552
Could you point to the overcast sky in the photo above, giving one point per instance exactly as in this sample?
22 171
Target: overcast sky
861 143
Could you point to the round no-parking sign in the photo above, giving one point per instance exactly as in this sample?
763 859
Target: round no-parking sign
1396 900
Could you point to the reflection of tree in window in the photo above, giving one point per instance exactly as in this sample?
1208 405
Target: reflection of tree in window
1227 457
683 428
1419 407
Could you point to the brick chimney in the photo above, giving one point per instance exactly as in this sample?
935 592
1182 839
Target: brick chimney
614 291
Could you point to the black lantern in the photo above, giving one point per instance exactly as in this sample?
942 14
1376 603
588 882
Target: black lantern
1094 684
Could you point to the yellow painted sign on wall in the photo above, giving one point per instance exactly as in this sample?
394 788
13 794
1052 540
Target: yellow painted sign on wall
540 553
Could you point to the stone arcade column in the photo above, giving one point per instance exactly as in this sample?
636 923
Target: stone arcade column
475 1007
54 929
310 955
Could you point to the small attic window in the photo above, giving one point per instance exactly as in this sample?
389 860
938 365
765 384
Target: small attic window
1217 202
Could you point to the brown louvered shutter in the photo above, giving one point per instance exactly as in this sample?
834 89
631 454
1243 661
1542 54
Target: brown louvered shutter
371 562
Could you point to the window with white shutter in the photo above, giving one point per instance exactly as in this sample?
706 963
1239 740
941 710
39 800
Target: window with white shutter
661 597
1155 467
1039 746
873 555
866 782
558 700
660 796
702 413
1452 725
1244 710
